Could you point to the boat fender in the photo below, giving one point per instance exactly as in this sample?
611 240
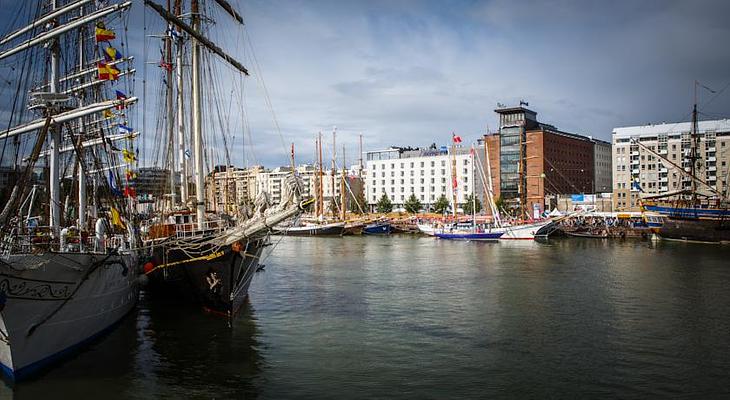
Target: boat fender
100 230
64 238
148 267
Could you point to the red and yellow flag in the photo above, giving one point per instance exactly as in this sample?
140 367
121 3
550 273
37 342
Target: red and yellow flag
104 35
107 72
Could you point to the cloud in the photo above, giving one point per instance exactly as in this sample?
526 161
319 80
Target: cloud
410 73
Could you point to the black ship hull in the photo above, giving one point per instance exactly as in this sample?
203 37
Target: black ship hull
216 278
695 229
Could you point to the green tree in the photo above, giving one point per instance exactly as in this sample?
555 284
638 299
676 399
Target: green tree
359 206
499 202
468 204
384 204
441 205
413 205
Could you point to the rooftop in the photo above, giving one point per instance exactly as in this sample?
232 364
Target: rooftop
719 125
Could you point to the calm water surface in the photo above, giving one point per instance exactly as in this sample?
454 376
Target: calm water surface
415 317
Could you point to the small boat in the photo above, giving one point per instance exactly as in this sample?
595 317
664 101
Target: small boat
311 229
599 234
377 228
480 236
353 228
526 231
427 229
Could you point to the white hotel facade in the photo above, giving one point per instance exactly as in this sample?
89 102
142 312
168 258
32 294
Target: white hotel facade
400 172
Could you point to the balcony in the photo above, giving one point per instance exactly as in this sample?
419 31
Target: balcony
635 171
662 151
664 179
663 170
712 169
713 148
711 159
712 178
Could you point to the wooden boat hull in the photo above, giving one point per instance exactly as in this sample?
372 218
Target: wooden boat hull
381 228
216 278
700 230
336 229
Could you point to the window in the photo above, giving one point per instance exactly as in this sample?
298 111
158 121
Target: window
411 166
433 163
466 162
383 182
443 172
422 163
443 163
401 197
401 165
392 181
402 181
392 165
373 175
433 180
392 173
382 174
421 190
422 180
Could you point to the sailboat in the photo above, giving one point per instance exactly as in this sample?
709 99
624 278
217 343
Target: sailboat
196 255
68 255
697 213
522 230
319 226
472 231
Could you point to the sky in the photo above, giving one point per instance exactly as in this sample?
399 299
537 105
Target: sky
409 73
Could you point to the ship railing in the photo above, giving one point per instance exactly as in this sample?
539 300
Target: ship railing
191 230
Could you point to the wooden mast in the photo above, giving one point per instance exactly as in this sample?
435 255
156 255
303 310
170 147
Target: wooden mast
342 185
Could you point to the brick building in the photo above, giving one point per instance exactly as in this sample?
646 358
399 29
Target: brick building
530 159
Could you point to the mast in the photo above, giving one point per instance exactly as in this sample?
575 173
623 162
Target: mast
334 169
342 184
695 138
521 189
197 118
54 176
453 176
179 45
170 115
320 201
359 173
82 129
473 192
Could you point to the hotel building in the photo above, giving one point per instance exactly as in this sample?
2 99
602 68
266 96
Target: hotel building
426 173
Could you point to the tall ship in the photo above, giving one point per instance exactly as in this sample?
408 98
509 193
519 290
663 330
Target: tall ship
196 254
697 211
68 247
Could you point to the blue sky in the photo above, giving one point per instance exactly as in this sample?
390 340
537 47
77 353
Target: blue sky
411 72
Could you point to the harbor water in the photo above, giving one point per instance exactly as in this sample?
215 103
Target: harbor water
416 317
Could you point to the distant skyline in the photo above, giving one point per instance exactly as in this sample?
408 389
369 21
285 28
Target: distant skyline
409 73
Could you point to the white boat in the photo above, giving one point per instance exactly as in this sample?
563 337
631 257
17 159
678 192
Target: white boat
526 231
53 303
64 284
427 229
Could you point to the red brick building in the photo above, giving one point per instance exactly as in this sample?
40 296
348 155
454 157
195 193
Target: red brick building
529 159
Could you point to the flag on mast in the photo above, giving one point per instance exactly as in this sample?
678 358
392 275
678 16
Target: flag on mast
103 34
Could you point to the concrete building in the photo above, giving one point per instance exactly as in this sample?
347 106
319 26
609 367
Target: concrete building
229 187
426 173
651 159
602 171
530 159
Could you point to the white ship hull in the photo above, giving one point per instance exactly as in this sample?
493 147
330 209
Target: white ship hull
427 229
520 232
54 303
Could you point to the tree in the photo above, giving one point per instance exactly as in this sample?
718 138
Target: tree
468 205
499 203
358 205
413 205
384 205
441 205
